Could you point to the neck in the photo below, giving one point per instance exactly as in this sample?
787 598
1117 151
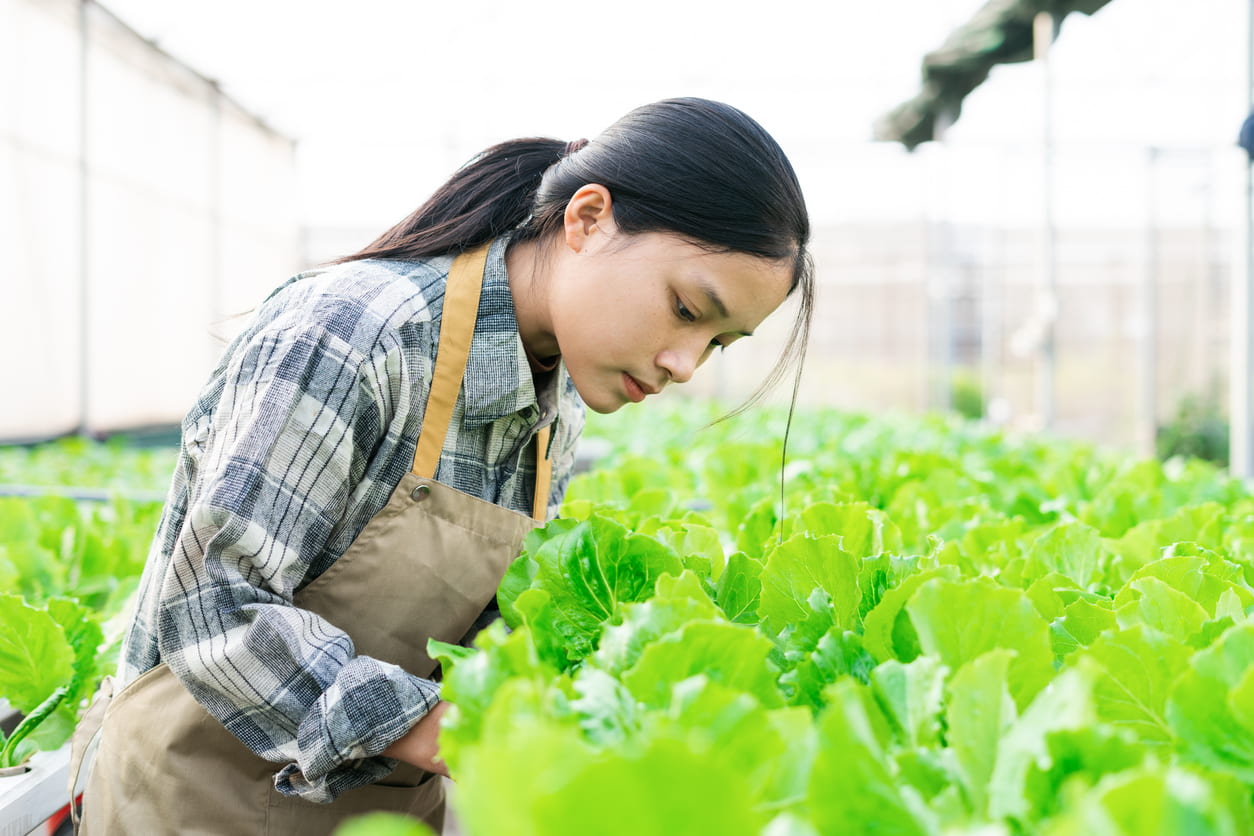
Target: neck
528 285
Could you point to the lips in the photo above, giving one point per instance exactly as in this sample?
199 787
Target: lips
636 390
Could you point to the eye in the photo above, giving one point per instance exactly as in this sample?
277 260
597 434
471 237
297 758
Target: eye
681 310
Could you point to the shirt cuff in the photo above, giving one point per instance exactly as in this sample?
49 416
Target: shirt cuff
291 781
370 705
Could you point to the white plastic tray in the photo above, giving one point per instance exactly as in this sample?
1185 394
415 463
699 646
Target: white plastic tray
27 800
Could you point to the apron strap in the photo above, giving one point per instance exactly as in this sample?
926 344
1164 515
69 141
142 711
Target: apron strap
457 329
544 476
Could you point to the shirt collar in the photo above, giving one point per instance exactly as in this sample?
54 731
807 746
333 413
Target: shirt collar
498 378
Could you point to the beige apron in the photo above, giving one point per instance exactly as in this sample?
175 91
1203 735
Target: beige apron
426 566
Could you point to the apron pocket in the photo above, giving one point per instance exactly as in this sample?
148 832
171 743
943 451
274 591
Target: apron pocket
424 800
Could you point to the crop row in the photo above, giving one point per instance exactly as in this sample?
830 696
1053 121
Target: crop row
949 631
945 631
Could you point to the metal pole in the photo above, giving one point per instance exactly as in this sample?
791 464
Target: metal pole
1204 353
1044 29
1240 409
84 260
1149 314
993 274
217 237
927 325
941 281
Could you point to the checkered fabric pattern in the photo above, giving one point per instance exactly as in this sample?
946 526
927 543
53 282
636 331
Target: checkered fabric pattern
299 438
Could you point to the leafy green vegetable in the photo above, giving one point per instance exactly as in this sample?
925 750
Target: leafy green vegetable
10 753
382 824
951 631
1138 667
1211 707
801 565
49 662
979 713
35 656
739 589
957 621
854 787
589 570
731 654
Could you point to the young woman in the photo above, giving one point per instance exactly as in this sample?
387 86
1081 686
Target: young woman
363 464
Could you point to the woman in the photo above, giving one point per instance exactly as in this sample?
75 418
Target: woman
363 464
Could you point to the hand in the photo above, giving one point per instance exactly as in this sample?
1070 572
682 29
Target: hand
421 744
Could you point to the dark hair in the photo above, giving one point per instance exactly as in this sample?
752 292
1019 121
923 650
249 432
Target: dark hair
693 167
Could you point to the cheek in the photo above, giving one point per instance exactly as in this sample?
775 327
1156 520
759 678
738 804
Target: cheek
611 316
626 318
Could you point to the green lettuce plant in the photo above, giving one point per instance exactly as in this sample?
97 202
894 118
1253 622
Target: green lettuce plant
949 631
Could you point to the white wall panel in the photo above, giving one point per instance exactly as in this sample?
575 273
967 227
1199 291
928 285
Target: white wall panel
117 268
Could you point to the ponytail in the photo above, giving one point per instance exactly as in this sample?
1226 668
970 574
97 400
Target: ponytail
489 196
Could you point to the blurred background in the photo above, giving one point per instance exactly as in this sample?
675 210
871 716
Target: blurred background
1046 233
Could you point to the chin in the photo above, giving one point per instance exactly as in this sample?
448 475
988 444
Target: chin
601 405
603 408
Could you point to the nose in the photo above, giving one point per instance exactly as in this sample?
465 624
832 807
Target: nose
680 363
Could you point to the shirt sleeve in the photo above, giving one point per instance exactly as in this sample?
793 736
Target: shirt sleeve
299 415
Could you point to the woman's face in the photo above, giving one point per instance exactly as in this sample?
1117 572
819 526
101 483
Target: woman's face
633 313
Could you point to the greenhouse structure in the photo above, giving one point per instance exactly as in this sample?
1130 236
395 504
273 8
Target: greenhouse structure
855 437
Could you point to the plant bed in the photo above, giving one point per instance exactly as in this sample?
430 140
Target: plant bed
949 632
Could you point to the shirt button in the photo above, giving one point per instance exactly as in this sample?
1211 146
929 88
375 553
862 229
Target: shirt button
420 493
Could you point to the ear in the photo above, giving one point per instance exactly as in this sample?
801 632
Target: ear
589 212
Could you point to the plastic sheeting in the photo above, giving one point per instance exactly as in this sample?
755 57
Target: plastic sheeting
139 210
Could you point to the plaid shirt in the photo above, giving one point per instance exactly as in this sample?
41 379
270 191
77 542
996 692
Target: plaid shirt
301 435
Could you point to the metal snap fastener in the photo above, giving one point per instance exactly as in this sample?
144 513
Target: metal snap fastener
421 492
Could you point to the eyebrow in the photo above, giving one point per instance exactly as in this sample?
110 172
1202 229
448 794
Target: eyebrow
711 293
